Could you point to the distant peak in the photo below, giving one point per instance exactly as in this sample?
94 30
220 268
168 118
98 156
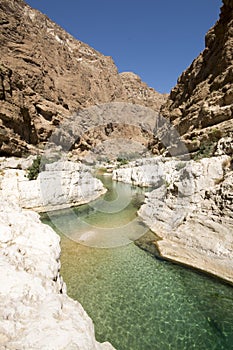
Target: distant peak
130 75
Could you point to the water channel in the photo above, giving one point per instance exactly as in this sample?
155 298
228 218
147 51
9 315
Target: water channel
136 301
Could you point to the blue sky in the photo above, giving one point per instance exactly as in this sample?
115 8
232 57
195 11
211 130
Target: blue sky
155 39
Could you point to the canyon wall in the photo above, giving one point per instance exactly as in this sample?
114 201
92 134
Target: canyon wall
200 106
46 75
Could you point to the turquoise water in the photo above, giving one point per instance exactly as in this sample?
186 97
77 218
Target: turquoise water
136 301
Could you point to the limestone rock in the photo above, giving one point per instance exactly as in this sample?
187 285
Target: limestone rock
190 209
36 313
225 146
200 106
62 184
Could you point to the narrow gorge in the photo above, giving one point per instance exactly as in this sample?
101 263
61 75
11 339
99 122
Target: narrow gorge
115 198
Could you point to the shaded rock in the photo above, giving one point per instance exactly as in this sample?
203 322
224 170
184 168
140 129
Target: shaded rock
116 122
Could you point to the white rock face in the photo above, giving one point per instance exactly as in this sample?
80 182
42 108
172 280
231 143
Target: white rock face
158 171
35 311
190 209
62 184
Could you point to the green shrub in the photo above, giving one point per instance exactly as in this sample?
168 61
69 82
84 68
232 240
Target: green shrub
206 150
166 183
125 158
34 169
122 160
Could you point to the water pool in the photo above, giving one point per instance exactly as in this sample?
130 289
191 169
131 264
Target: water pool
136 301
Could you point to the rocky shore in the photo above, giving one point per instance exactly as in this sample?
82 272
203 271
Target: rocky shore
36 312
190 210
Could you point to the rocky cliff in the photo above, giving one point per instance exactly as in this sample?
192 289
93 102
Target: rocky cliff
46 75
200 106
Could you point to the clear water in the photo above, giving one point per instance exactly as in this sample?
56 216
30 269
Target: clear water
107 222
138 302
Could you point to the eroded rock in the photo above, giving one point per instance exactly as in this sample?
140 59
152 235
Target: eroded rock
35 311
61 184
190 210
